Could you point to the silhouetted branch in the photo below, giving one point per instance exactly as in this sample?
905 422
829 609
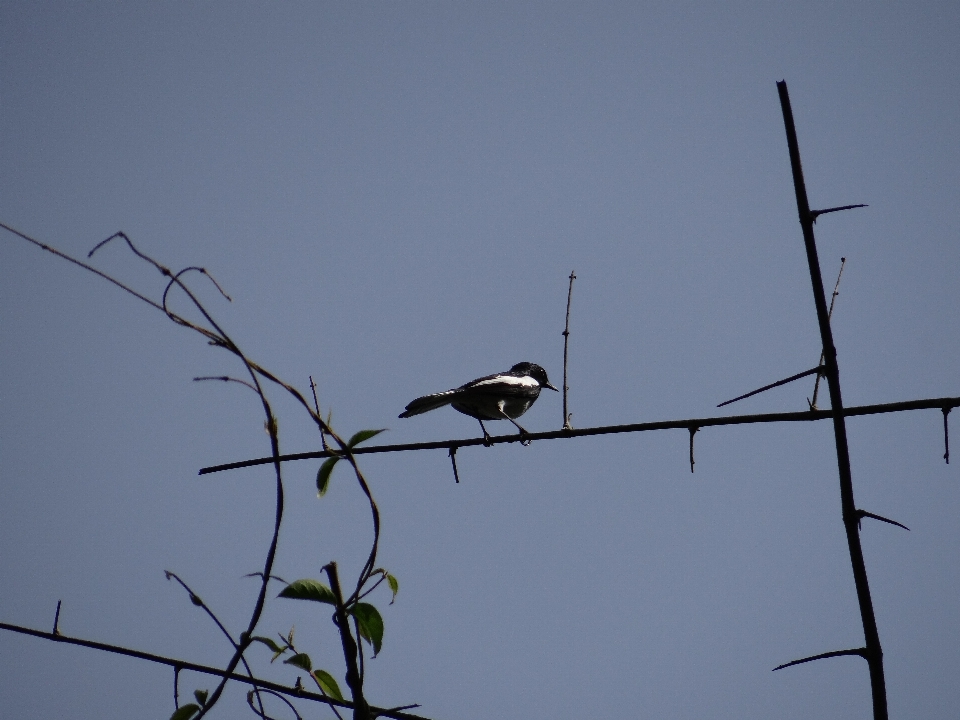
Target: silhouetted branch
360 709
204 669
801 416
874 651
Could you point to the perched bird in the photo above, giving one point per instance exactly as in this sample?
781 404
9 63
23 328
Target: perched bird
503 396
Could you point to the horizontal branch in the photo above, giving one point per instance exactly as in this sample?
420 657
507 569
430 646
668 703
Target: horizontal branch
802 416
206 669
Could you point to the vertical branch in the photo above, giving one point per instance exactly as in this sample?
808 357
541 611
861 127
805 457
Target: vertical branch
361 710
873 651
566 343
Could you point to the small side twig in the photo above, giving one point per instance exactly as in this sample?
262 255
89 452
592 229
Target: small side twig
833 299
946 434
316 405
453 459
176 687
566 344
56 619
693 431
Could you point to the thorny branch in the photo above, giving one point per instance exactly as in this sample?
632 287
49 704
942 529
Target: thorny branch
181 665
686 424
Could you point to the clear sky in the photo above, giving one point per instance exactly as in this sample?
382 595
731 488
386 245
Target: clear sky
394 194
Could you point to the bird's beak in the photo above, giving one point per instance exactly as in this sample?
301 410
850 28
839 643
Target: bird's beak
550 386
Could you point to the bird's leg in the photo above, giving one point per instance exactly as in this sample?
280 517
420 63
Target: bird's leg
524 440
486 435
524 435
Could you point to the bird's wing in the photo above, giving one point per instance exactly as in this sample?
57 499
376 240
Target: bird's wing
504 385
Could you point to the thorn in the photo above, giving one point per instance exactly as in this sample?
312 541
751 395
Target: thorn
813 371
693 431
453 459
862 652
814 214
56 619
861 514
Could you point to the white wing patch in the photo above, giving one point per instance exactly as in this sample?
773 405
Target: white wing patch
525 381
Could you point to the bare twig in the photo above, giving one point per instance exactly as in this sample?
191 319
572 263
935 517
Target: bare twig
946 434
693 431
833 299
566 343
316 406
453 460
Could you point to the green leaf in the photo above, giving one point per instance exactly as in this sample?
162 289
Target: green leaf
371 624
201 696
394 586
328 684
277 650
323 475
300 660
268 642
308 590
185 712
363 436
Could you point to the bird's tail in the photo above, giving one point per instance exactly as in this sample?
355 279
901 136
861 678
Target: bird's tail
428 403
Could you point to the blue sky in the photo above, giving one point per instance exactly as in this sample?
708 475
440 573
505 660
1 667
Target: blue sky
393 194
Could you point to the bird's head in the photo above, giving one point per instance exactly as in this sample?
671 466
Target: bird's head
534 371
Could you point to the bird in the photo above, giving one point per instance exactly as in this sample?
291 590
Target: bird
503 396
